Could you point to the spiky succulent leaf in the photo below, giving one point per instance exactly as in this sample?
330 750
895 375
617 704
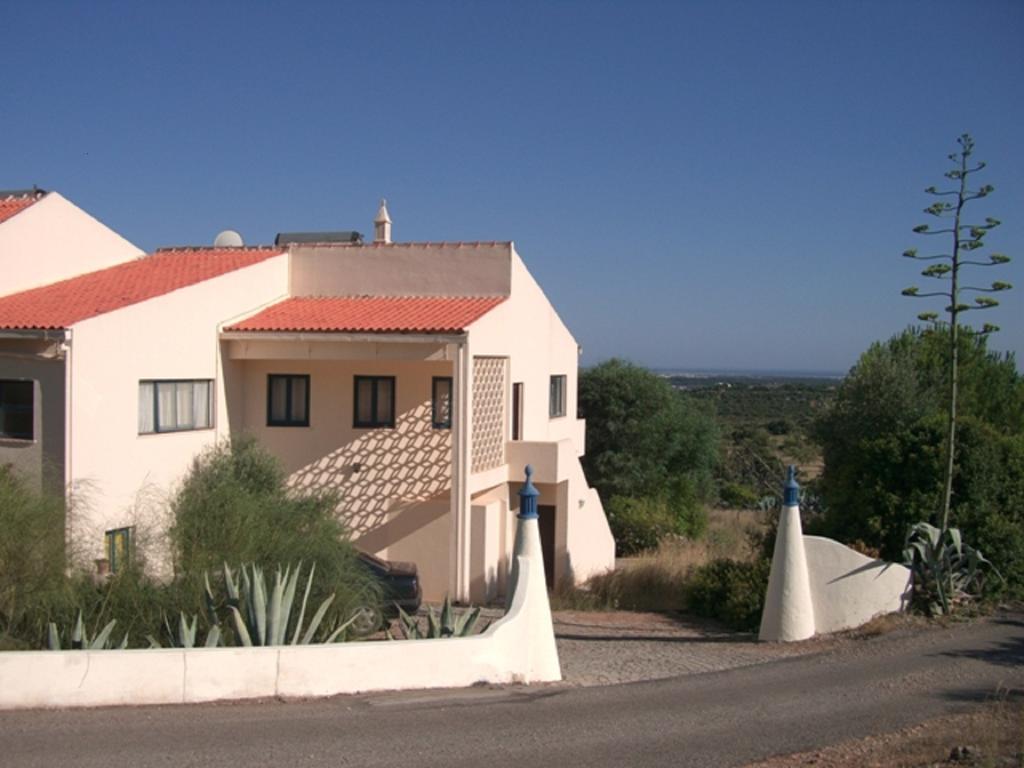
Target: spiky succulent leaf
433 625
240 629
305 598
314 623
79 638
100 641
213 637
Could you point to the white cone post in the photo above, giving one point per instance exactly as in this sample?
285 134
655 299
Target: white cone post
527 543
527 588
788 608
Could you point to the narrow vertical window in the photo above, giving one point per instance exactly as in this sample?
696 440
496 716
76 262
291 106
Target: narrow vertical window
374 402
287 400
556 404
175 406
119 548
17 409
441 403
517 411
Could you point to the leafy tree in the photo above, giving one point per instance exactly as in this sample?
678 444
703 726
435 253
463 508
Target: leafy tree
645 441
966 238
882 437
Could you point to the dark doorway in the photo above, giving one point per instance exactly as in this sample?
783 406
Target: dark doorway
517 411
546 524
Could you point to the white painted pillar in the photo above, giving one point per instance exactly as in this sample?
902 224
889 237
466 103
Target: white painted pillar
788 608
459 554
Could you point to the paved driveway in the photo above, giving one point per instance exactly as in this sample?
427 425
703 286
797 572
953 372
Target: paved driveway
625 647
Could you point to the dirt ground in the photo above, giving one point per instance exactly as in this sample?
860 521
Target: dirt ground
992 737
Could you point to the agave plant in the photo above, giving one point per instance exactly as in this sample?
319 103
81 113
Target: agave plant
184 635
447 624
946 572
79 639
262 616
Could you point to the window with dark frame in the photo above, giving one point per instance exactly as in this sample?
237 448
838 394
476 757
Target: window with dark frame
517 410
287 400
119 548
175 405
441 403
556 404
17 409
374 402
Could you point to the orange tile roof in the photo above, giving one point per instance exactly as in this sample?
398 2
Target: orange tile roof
15 204
63 304
371 314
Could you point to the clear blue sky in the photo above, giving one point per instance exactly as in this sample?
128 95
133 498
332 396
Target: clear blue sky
695 184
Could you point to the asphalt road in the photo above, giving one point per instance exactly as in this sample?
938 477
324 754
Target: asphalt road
715 719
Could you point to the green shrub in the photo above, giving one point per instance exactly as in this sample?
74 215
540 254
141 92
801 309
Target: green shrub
639 524
32 557
234 507
737 496
731 591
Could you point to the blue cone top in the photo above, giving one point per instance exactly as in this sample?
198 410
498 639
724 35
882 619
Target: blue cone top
528 497
791 491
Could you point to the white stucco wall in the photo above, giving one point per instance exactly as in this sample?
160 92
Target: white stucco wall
411 269
53 240
119 472
849 589
518 648
527 329
394 483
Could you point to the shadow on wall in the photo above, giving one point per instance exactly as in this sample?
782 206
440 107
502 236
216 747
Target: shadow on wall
381 468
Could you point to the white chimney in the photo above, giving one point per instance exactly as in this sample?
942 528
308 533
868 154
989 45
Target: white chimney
382 224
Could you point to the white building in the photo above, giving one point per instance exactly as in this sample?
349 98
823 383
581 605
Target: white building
417 379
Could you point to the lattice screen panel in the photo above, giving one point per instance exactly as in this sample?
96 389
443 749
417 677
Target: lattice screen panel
488 412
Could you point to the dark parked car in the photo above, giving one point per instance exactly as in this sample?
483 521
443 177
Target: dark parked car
400 583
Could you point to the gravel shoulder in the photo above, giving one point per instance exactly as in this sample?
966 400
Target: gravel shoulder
608 648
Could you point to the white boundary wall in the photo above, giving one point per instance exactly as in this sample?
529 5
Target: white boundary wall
849 589
516 648
818 585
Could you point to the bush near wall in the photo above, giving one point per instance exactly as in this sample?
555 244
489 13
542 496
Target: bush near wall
31 555
731 591
234 506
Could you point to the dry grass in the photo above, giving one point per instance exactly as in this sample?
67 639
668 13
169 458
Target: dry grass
657 580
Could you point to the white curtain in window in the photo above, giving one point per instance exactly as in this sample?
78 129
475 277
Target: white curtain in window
146 407
183 405
165 406
201 404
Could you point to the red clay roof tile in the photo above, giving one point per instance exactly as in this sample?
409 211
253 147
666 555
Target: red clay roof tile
371 314
63 304
12 205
